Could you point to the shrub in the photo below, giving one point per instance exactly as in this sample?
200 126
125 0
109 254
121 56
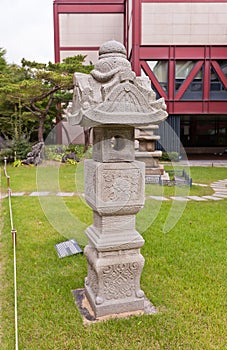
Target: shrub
16 150
77 149
170 156
8 153
57 152
21 148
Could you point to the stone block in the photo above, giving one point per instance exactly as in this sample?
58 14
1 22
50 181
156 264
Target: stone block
109 233
113 144
151 159
146 146
114 188
113 282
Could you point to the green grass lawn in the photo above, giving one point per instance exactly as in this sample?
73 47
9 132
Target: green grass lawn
58 177
69 178
184 275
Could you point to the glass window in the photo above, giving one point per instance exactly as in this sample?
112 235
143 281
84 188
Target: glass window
204 131
195 89
217 89
182 70
160 70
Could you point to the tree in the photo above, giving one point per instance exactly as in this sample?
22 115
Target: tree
14 124
39 90
3 63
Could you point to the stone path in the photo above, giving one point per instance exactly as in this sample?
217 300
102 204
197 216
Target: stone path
219 187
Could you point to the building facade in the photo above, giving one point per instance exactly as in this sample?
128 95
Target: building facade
180 45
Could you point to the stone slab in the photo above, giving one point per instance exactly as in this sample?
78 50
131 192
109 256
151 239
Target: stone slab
221 195
221 182
219 188
2 196
212 198
38 194
158 198
153 154
17 194
65 194
88 316
196 198
180 199
202 185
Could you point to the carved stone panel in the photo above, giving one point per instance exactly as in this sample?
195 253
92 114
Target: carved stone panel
114 188
119 280
116 289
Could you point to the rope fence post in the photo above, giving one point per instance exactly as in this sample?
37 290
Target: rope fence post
14 236
14 239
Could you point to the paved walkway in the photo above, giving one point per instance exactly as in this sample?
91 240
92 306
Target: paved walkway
222 163
219 187
220 193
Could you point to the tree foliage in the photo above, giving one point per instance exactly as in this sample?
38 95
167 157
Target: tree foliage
32 95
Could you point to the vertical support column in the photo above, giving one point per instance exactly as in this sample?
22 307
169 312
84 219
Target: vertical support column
171 79
206 81
136 36
114 188
56 33
126 25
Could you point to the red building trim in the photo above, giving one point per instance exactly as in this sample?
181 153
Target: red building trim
182 1
127 28
171 72
56 35
90 8
125 25
196 107
89 2
206 80
219 72
154 80
79 48
188 52
136 35
206 57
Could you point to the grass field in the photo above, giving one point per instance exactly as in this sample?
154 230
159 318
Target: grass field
184 274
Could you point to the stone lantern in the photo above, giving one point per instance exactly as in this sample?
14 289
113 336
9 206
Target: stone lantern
114 101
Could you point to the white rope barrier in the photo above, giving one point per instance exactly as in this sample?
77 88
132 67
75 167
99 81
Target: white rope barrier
13 231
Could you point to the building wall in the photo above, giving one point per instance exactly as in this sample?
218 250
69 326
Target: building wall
169 132
184 23
180 45
81 27
91 55
90 29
